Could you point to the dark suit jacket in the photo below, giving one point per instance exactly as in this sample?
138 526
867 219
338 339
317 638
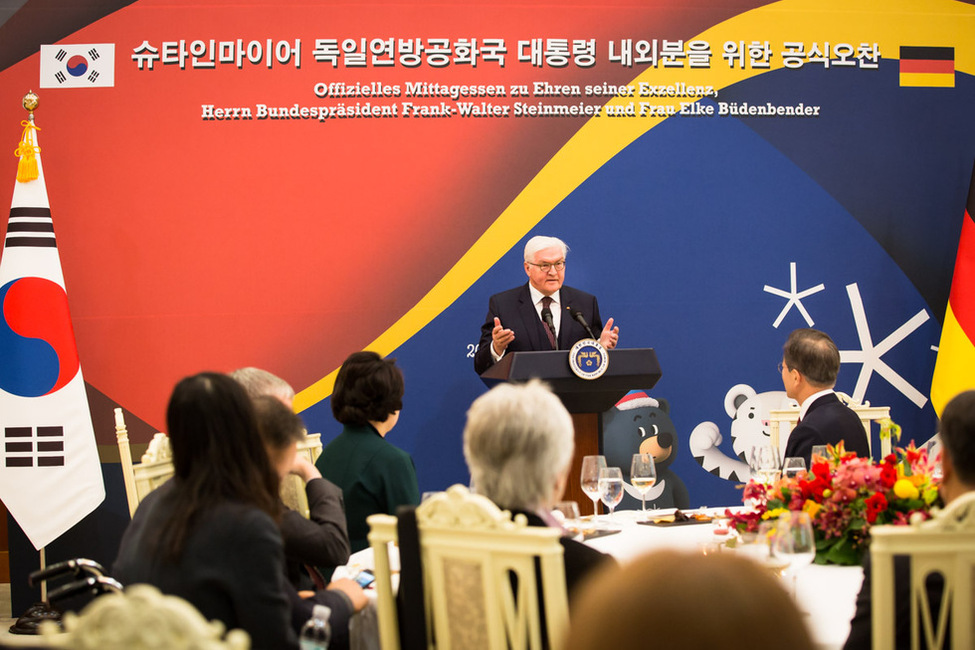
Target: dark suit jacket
827 422
515 309
231 567
580 560
322 540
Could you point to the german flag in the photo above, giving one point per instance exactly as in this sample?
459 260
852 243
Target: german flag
927 66
954 370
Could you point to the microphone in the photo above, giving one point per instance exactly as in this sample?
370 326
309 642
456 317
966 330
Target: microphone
576 314
549 321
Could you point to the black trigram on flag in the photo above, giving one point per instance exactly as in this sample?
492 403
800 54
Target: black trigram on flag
30 227
60 55
33 446
93 53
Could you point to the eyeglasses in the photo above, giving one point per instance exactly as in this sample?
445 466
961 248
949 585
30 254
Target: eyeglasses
781 366
545 267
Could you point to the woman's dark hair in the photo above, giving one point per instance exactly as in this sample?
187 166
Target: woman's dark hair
218 454
279 425
368 389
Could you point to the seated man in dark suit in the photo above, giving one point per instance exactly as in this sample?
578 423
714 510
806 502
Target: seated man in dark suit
957 491
518 443
810 363
543 314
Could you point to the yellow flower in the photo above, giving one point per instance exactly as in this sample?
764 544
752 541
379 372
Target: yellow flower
812 508
774 514
905 489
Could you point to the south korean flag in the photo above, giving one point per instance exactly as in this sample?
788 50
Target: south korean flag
78 66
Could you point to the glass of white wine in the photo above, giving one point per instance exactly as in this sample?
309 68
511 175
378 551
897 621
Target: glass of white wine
765 463
589 480
611 488
643 475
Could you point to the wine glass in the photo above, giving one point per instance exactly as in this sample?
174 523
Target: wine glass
611 487
567 512
765 463
643 474
794 542
590 478
792 466
818 453
568 509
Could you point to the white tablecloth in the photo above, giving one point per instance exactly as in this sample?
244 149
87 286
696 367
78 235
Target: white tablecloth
826 593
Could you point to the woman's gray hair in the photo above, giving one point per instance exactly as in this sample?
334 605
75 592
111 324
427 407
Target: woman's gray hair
541 242
517 441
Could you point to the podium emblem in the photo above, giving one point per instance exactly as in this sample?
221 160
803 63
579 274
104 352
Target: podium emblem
588 359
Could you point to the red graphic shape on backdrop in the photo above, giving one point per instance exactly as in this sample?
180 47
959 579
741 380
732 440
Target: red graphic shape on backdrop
193 244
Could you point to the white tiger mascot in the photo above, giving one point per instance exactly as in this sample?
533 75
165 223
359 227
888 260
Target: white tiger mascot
749 413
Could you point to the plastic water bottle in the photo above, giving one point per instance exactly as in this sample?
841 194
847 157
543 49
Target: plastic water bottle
317 631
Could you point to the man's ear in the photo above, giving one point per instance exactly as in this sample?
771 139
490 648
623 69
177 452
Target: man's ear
947 476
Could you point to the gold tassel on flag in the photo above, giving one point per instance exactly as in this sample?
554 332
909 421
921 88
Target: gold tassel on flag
28 150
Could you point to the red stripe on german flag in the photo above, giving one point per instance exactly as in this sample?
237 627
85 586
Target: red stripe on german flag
953 370
927 66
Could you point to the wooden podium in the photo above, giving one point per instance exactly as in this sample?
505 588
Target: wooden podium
585 399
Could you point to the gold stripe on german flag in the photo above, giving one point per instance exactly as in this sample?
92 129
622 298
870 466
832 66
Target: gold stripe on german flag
927 66
956 354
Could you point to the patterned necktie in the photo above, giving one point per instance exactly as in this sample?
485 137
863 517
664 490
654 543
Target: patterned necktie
547 308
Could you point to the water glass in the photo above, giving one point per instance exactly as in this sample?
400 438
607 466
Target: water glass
611 487
794 542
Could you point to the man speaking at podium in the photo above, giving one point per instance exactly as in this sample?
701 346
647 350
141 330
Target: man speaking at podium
543 314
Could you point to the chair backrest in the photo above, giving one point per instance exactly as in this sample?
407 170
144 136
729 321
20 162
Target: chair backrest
945 546
142 617
783 421
155 468
481 576
293 487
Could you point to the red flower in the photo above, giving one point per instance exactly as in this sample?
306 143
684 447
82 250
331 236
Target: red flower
821 470
814 489
875 504
888 475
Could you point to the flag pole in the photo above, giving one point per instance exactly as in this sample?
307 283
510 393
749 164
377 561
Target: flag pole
27 171
43 556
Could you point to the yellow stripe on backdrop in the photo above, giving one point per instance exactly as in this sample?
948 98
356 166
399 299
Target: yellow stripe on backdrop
889 23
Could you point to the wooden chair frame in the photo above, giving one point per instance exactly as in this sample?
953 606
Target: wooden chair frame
469 545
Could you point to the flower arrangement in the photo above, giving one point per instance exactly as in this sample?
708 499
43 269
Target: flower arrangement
846 495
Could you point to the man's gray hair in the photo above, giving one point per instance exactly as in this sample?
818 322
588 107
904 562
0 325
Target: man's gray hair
517 441
541 242
259 382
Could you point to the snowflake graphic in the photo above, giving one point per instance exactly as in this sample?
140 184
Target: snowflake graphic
870 355
794 297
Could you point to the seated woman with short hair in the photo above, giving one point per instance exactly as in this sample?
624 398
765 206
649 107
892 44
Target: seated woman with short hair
375 476
518 443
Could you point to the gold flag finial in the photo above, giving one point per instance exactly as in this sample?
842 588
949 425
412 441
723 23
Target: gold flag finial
28 149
